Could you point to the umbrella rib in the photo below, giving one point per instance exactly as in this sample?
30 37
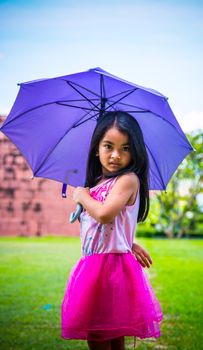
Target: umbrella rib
67 131
80 100
110 105
84 121
87 99
144 111
68 105
47 156
82 87
140 110
129 93
132 111
29 110
130 105
77 124
43 105
120 93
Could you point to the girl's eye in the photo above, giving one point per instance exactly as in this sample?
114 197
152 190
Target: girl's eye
107 146
126 148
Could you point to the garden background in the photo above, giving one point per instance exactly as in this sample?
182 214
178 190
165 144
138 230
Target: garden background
152 43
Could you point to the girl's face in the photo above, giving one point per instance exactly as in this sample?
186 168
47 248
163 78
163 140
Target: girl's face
114 151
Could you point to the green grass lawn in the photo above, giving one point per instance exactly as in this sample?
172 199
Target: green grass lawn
34 272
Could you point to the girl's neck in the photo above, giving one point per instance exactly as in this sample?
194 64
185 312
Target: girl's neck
99 179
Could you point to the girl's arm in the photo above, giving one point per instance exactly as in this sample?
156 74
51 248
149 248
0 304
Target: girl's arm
118 197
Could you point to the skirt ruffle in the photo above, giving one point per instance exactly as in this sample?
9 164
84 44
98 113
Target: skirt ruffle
109 296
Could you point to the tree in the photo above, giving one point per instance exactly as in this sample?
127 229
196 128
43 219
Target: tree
179 210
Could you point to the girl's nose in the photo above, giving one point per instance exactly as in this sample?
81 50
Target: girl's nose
115 154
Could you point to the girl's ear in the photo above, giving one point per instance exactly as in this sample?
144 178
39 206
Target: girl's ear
97 153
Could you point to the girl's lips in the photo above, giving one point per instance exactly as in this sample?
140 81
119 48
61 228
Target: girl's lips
115 165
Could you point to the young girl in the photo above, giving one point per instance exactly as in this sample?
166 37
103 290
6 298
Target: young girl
108 295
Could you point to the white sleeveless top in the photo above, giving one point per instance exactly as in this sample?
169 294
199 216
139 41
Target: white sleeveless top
114 237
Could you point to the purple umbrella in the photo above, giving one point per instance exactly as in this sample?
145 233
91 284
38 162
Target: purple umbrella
52 120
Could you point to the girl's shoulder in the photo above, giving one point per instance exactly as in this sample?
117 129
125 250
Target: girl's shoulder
131 182
130 178
126 182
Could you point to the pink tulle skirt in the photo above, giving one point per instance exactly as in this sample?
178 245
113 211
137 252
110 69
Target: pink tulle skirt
109 296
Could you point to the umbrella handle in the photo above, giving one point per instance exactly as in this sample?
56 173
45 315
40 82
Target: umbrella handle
74 216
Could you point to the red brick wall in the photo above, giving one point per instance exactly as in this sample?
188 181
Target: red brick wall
30 206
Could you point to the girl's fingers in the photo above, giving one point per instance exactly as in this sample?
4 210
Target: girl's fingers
144 252
138 257
147 256
147 263
143 260
142 256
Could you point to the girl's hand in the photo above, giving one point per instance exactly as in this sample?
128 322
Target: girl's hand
141 255
79 193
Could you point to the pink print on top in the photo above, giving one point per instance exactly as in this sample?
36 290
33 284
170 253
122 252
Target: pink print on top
114 237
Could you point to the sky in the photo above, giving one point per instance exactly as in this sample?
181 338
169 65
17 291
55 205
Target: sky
156 44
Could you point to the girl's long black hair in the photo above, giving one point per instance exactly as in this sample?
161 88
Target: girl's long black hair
139 164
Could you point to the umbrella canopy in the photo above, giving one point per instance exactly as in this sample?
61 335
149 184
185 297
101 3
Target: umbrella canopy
52 121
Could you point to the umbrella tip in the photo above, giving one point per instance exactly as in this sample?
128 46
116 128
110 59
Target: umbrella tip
97 69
